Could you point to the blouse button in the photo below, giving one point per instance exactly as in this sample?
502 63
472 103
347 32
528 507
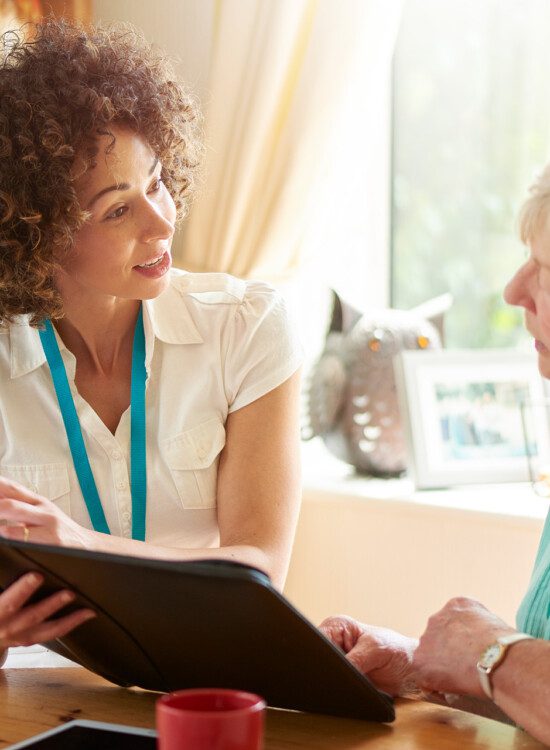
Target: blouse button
122 485
117 455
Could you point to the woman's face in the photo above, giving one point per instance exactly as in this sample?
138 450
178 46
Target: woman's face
530 288
123 250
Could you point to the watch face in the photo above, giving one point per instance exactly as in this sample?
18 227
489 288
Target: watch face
492 655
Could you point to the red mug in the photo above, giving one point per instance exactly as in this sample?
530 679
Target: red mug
210 719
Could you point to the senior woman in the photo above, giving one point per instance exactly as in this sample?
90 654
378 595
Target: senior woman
480 662
144 411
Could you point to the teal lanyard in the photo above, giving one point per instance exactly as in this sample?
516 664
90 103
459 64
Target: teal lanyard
138 468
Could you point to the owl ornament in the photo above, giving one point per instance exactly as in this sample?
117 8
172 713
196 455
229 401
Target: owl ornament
351 398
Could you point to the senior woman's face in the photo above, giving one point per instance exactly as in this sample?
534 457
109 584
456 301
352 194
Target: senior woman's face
530 288
123 250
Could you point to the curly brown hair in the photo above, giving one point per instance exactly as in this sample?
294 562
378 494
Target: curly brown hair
59 90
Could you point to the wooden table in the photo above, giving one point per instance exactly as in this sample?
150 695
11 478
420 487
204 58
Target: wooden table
33 700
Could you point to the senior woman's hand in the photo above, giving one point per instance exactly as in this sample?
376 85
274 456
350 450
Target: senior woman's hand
450 647
46 523
23 624
384 655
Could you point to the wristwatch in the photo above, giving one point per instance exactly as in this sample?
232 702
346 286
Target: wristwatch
492 658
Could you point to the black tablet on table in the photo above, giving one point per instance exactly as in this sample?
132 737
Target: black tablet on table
207 623
91 735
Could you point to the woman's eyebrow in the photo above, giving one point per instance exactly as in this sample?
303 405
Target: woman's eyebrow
118 186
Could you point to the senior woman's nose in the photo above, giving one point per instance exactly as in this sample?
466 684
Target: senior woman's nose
518 290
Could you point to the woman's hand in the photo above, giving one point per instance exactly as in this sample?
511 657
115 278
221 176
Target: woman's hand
22 625
384 655
46 523
454 639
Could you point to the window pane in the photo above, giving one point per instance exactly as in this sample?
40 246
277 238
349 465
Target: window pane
471 127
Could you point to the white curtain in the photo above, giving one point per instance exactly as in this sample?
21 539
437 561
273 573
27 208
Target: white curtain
296 91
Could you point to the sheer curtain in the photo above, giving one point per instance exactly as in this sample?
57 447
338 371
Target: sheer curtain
282 75
296 97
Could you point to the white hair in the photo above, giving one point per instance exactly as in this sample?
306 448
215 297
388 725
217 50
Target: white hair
534 211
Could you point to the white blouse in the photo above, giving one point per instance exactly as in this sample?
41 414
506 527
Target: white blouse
214 344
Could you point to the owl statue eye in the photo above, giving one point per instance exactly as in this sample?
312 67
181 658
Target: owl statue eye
423 342
375 341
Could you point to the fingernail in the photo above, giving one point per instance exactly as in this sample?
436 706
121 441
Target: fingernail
34 578
67 596
90 614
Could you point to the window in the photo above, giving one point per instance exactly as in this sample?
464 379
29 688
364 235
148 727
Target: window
471 126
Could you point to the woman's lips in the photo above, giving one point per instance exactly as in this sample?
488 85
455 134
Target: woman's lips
158 270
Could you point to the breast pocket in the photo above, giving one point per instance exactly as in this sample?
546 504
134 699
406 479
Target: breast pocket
49 480
192 457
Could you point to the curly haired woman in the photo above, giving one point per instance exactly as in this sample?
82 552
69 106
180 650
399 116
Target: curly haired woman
144 410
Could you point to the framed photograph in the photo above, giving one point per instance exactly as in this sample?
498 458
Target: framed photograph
462 415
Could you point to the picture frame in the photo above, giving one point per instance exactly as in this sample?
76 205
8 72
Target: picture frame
462 415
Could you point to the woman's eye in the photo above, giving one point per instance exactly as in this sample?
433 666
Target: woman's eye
117 213
156 185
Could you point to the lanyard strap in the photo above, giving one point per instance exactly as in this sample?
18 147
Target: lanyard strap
138 449
138 468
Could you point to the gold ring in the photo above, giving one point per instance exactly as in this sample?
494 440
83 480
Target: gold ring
26 533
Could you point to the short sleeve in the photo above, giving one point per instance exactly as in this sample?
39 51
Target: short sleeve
263 348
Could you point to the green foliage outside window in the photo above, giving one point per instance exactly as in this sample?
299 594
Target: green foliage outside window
471 126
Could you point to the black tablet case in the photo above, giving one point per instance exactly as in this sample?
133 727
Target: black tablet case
209 623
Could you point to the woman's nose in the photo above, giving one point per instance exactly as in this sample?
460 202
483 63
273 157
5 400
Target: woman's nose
158 222
518 290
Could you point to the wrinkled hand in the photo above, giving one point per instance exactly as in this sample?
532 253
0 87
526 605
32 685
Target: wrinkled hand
384 655
47 524
454 639
22 625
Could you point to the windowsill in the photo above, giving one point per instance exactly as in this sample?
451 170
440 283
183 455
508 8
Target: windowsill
326 476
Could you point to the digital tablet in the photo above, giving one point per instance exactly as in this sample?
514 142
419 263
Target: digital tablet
91 735
166 626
